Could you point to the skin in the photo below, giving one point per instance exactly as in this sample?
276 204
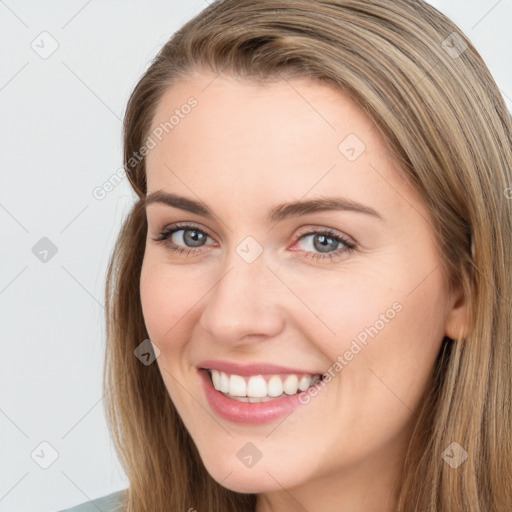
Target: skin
244 148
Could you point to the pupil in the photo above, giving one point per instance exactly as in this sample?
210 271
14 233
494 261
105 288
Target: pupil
322 246
194 238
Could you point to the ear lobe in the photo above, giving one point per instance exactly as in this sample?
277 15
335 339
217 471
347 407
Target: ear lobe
456 319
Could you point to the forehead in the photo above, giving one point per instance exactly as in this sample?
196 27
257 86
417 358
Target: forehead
285 139
281 112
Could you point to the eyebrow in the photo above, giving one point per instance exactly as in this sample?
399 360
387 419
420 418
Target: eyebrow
277 213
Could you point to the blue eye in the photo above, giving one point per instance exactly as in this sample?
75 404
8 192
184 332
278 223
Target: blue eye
326 238
197 236
322 239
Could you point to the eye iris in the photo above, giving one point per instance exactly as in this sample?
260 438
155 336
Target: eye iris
322 245
193 240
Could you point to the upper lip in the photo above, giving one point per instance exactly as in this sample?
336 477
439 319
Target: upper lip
251 369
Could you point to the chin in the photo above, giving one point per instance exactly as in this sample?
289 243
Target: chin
246 482
245 485
257 479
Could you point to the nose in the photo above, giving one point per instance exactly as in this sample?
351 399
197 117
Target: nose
244 303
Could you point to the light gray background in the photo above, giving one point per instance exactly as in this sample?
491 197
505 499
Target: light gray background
60 135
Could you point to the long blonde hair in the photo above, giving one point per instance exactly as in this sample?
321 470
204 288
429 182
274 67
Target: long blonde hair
434 100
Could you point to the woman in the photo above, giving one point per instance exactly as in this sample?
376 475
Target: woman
320 255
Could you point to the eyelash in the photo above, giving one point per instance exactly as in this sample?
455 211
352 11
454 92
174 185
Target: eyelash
350 246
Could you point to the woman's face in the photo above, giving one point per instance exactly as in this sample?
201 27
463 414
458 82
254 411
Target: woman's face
252 285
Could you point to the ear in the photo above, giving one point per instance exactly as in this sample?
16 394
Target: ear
457 316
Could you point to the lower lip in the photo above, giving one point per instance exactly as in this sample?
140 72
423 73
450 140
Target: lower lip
246 412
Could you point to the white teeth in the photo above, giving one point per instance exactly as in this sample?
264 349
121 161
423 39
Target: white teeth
251 400
275 386
237 386
291 384
223 382
304 383
257 389
216 380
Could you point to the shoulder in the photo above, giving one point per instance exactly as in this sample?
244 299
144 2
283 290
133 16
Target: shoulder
110 503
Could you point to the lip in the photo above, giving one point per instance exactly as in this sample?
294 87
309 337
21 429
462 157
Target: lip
246 370
247 413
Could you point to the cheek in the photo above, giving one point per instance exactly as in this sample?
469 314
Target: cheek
389 352
377 321
167 299
342 306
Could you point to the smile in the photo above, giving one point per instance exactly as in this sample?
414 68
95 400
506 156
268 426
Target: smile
254 394
260 388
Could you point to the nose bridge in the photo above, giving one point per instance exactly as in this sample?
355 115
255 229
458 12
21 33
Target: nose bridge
244 299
